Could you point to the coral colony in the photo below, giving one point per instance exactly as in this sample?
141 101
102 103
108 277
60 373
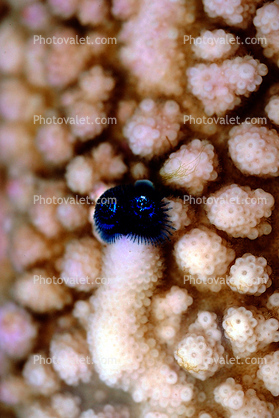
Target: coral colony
139 165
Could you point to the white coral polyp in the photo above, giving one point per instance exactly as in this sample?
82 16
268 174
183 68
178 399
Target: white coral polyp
153 128
266 22
167 310
70 358
204 255
249 332
179 213
219 85
241 404
200 352
191 167
229 394
272 109
255 150
214 45
240 211
249 275
269 372
234 12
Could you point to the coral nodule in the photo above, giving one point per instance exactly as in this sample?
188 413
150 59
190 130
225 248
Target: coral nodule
136 211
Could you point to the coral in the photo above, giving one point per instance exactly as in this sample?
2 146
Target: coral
36 16
18 102
249 275
240 211
34 63
200 351
55 143
249 332
72 216
272 109
21 189
17 147
64 9
191 167
108 411
235 13
70 358
43 210
39 248
152 50
219 86
167 310
36 290
214 45
18 331
80 175
120 319
40 376
11 40
255 150
239 403
65 60
266 22
60 405
179 213
163 302
153 128
93 12
13 390
203 255
81 264
268 372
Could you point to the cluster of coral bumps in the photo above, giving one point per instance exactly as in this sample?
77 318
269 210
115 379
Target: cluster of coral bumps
98 93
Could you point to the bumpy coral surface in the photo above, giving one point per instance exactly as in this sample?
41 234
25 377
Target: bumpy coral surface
255 150
191 167
159 134
219 86
250 274
97 95
240 211
203 255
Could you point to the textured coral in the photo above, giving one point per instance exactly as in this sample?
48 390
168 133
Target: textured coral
120 308
272 109
37 291
70 358
240 211
81 264
214 45
203 255
247 332
152 52
189 328
200 351
153 128
40 375
249 274
235 12
266 22
239 403
167 310
268 372
255 150
18 331
191 167
60 405
219 86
